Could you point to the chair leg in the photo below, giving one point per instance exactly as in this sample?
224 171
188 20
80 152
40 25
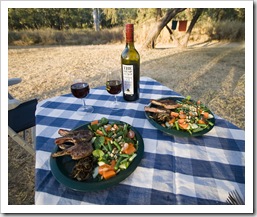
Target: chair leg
20 141
33 136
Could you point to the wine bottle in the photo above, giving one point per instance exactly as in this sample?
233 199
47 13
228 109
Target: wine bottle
130 67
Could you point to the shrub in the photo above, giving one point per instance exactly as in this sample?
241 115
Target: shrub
59 37
223 30
230 30
13 36
70 37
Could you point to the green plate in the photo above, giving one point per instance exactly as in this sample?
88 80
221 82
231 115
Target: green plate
174 132
61 168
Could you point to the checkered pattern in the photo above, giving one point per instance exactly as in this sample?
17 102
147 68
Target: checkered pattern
173 170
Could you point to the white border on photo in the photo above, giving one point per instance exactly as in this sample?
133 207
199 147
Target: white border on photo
248 5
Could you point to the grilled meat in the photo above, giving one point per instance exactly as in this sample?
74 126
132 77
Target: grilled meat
86 135
154 110
74 143
167 104
79 150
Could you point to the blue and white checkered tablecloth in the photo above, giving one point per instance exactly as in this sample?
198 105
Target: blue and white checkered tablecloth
173 170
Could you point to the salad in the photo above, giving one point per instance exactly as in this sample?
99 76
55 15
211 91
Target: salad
182 115
115 147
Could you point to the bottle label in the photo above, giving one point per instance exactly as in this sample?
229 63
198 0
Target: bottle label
128 75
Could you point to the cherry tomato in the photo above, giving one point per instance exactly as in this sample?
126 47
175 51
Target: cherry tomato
131 134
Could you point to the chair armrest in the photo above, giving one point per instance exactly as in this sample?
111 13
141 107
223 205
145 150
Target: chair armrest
13 103
23 116
12 81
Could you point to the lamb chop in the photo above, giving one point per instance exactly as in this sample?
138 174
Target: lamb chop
155 110
79 150
68 136
86 135
163 106
74 143
162 109
167 104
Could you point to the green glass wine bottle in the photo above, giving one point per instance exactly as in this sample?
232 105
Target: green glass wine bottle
130 67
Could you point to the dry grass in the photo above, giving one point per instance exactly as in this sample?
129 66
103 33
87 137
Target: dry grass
212 72
65 37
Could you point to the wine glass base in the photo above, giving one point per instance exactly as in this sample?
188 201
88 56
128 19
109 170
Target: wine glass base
115 105
85 110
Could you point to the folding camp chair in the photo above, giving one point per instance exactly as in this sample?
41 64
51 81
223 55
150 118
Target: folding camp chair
21 117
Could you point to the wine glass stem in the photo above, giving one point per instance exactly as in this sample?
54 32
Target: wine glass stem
116 101
83 102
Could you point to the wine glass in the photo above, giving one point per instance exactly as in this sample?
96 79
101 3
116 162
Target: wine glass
113 86
80 89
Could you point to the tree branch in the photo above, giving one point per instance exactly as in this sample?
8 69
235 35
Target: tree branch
150 41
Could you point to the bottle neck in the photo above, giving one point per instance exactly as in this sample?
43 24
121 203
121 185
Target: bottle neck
129 35
130 39
130 45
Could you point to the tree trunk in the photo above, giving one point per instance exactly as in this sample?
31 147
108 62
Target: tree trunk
96 19
191 26
150 41
174 39
158 13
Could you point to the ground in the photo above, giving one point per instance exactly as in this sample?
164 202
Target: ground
212 72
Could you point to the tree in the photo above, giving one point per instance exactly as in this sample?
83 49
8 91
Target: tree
151 39
221 14
96 16
191 26
118 16
189 30
158 13
111 17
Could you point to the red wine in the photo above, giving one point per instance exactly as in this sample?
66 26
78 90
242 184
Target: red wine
80 90
130 67
113 86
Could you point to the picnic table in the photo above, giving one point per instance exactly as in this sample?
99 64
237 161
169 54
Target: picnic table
173 170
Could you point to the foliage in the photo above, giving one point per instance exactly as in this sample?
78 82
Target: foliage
63 18
145 14
228 30
224 14
28 26
55 18
118 16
